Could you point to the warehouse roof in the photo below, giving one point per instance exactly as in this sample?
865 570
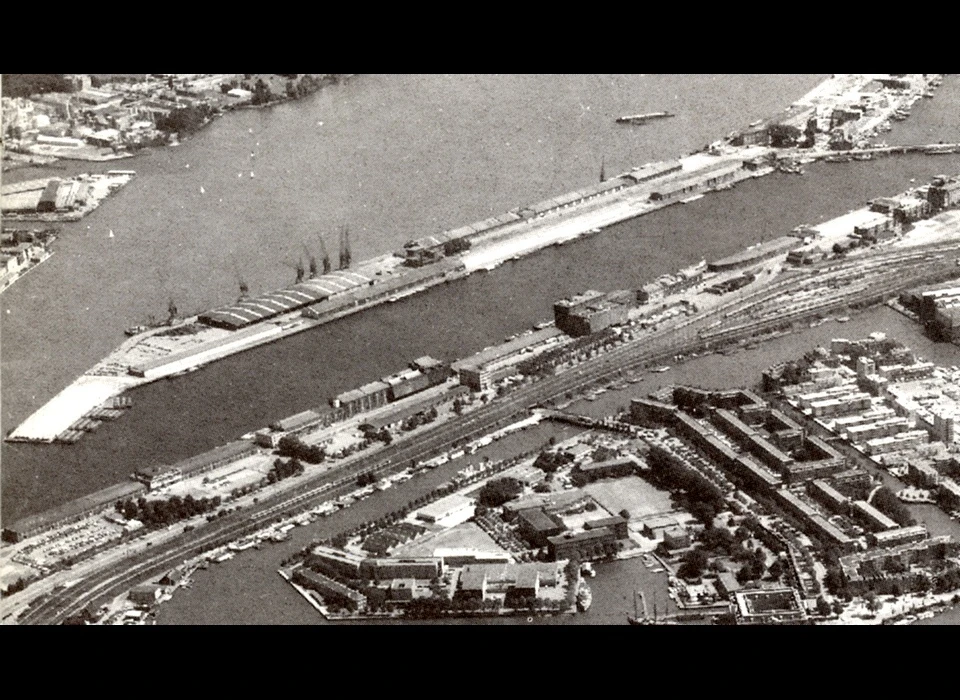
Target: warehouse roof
99 499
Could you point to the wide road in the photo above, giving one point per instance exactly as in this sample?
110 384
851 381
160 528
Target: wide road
658 346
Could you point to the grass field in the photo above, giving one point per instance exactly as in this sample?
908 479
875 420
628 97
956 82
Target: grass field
632 493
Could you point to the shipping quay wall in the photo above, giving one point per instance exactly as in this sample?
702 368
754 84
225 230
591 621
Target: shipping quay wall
260 322
649 350
488 243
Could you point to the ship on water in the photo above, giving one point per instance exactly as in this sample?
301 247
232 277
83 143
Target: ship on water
637 119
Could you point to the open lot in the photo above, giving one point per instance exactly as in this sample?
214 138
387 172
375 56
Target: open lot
632 493
465 536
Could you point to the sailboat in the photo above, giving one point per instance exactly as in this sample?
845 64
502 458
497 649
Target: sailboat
110 235
636 619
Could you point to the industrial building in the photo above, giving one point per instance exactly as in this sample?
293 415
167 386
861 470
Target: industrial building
591 312
334 561
448 508
71 511
944 192
756 254
482 370
536 526
369 396
162 475
48 200
581 545
329 589
480 581
264 306
391 568
771 606
705 178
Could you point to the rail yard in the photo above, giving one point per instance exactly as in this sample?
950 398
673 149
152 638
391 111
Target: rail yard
859 260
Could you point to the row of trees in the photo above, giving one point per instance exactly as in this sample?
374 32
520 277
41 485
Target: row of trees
282 470
691 491
422 418
15 587
366 479
160 513
292 446
27 84
496 492
550 461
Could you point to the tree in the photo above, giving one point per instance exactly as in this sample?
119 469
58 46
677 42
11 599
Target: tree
694 562
823 607
498 491
776 569
261 93
887 503
783 135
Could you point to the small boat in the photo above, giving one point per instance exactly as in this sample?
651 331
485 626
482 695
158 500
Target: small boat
637 119
110 235
842 319
660 370
202 191
584 597
251 173
135 330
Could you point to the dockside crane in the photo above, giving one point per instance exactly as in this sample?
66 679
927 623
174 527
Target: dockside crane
298 266
345 255
313 261
327 265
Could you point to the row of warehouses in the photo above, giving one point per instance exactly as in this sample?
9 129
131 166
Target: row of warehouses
428 249
264 306
322 296
43 196
422 373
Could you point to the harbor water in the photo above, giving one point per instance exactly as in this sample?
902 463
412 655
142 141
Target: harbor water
247 590
160 246
395 157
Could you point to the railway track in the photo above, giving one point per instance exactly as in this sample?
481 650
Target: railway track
657 346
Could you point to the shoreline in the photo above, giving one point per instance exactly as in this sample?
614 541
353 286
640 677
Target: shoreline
531 229
52 155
